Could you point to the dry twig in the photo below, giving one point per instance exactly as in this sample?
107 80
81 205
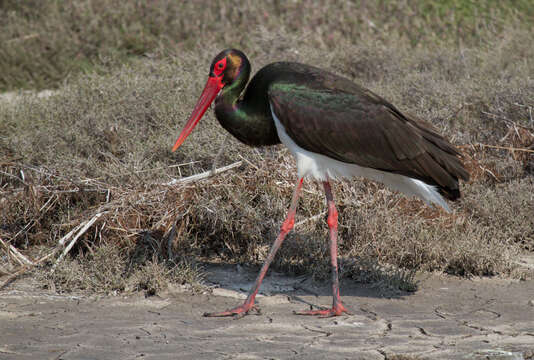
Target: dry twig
509 148
204 175
85 227
11 250
311 218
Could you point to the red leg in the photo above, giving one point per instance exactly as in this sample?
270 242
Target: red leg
337 307
287 225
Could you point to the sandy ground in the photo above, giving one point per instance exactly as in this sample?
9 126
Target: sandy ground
447 318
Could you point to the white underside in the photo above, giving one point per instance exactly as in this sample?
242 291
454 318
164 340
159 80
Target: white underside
322 168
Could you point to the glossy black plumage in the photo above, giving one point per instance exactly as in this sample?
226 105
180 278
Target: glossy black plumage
330 115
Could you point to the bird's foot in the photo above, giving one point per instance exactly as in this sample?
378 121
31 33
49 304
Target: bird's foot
237 312
337 310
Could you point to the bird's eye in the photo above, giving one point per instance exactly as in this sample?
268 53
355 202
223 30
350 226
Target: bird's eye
219 67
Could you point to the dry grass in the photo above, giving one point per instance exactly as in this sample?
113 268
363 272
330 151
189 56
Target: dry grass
112 270
44 41
102 144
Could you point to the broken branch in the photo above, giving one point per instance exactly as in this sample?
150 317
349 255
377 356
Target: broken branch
85 227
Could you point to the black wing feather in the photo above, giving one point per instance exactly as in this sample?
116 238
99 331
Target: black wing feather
351 124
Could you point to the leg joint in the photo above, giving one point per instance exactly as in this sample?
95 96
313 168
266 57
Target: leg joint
288 224
332 218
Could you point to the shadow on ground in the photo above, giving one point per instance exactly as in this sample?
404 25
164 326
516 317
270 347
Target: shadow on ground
447 318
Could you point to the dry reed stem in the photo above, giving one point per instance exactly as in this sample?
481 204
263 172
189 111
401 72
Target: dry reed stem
11 250
204 174
25 263
509 148
85 227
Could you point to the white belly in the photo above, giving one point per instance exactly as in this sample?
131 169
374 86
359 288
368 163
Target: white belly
322 168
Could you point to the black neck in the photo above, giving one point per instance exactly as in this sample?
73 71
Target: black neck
248 120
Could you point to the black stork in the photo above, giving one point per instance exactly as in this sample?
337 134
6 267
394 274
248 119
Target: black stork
334 128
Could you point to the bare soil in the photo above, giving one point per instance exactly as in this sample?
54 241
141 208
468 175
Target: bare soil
447 318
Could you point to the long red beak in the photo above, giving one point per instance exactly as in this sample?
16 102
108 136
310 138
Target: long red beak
212 88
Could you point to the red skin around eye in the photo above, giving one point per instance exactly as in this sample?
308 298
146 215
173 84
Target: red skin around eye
218 70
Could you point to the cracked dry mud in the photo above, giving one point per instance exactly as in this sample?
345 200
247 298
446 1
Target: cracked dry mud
447 318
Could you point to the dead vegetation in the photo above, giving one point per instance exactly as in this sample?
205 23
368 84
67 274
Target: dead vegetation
45 41
88 172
